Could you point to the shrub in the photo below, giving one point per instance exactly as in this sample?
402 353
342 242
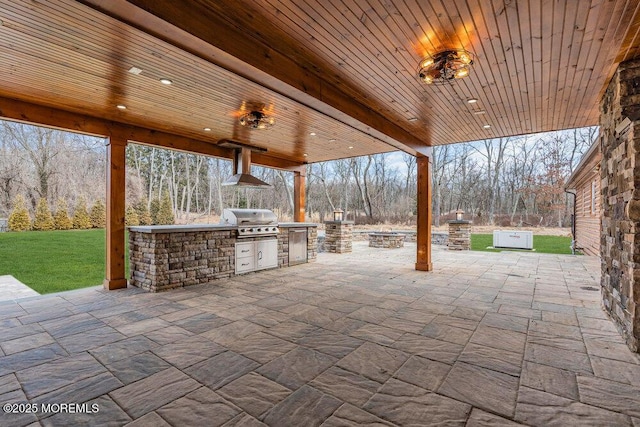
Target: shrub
153 210
144 216
61 220
131 217
165 213
44 219
81 218
98 215
19 219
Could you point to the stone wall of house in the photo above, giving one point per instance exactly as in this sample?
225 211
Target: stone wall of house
620 186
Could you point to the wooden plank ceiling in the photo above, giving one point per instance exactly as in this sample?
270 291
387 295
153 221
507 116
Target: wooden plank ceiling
345 70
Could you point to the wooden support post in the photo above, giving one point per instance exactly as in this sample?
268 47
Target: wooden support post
115 274
423 238
299 196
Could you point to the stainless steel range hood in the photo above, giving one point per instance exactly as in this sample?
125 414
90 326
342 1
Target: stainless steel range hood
242 165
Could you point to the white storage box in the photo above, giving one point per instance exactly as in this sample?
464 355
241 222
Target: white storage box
513 239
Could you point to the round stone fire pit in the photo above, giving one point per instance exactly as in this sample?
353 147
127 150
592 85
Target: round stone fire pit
386 240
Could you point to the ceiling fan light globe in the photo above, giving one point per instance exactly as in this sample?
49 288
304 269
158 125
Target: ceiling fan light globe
426 62
462 72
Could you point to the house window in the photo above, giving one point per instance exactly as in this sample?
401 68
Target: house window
594 194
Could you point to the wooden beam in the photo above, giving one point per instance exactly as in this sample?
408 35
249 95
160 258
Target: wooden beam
299 195
26 112
116 161
423 238
199 29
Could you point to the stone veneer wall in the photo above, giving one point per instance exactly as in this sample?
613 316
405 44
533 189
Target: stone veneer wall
283 245
163 261
338 236
437 237
386 240
312 244
459 236
620 174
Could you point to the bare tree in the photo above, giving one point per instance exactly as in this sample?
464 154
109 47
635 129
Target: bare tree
493 151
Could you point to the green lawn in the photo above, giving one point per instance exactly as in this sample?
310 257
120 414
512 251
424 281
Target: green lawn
541 244
54 261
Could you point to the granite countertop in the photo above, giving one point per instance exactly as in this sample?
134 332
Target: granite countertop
181 228
204 227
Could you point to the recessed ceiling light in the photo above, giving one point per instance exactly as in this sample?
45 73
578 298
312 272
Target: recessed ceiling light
312 133
135 70
165 81
305 154
121 107
486 126
479 112
332 140
207 129
351 147
472 100
412 119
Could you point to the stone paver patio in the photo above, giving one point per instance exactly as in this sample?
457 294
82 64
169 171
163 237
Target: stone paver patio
13 289
352 339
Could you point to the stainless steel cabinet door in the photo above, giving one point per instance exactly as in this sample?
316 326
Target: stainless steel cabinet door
266 254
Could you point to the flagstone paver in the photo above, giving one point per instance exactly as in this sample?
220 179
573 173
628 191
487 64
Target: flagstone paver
552 380
306 407
153 392
481 387
538 408
346 385
354 339
12 289
425 373
349 416
151 419
297 367
261 347
374 361
136 367
202 407
188 351
53 375
254 393
221 369
405 404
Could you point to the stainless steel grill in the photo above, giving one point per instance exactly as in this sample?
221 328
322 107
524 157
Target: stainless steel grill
251 222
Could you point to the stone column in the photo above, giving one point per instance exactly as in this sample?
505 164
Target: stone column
620 175
459 236
338 236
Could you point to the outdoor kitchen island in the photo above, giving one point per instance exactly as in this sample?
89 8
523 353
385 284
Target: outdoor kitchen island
164 257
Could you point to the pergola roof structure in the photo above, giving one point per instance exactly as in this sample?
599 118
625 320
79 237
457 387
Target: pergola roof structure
342 69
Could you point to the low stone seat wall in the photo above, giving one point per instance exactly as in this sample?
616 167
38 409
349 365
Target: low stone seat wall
386 240
437 237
